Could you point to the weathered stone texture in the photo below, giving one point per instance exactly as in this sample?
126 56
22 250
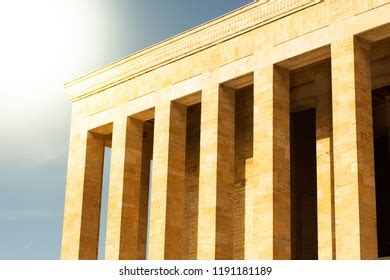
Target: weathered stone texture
353 151
268 234
216 174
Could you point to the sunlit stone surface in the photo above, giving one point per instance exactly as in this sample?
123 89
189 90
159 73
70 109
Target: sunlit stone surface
249 137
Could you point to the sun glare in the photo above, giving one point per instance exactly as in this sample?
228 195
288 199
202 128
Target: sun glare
43 44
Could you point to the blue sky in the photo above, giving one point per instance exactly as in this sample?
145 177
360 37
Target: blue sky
45 43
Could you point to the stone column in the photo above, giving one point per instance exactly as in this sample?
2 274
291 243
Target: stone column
267 233
83 196
355 212
325 186
167 199
124 193
216 173
174 233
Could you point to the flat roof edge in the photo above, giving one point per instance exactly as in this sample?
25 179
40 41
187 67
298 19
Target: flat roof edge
186 43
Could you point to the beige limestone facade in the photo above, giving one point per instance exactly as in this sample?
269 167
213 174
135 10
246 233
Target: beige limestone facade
262 134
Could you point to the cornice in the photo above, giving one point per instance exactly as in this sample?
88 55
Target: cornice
194 40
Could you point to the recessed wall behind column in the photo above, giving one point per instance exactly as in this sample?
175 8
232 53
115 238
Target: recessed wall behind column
243 164
380 81
147 158
192 181
311 164
181 229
